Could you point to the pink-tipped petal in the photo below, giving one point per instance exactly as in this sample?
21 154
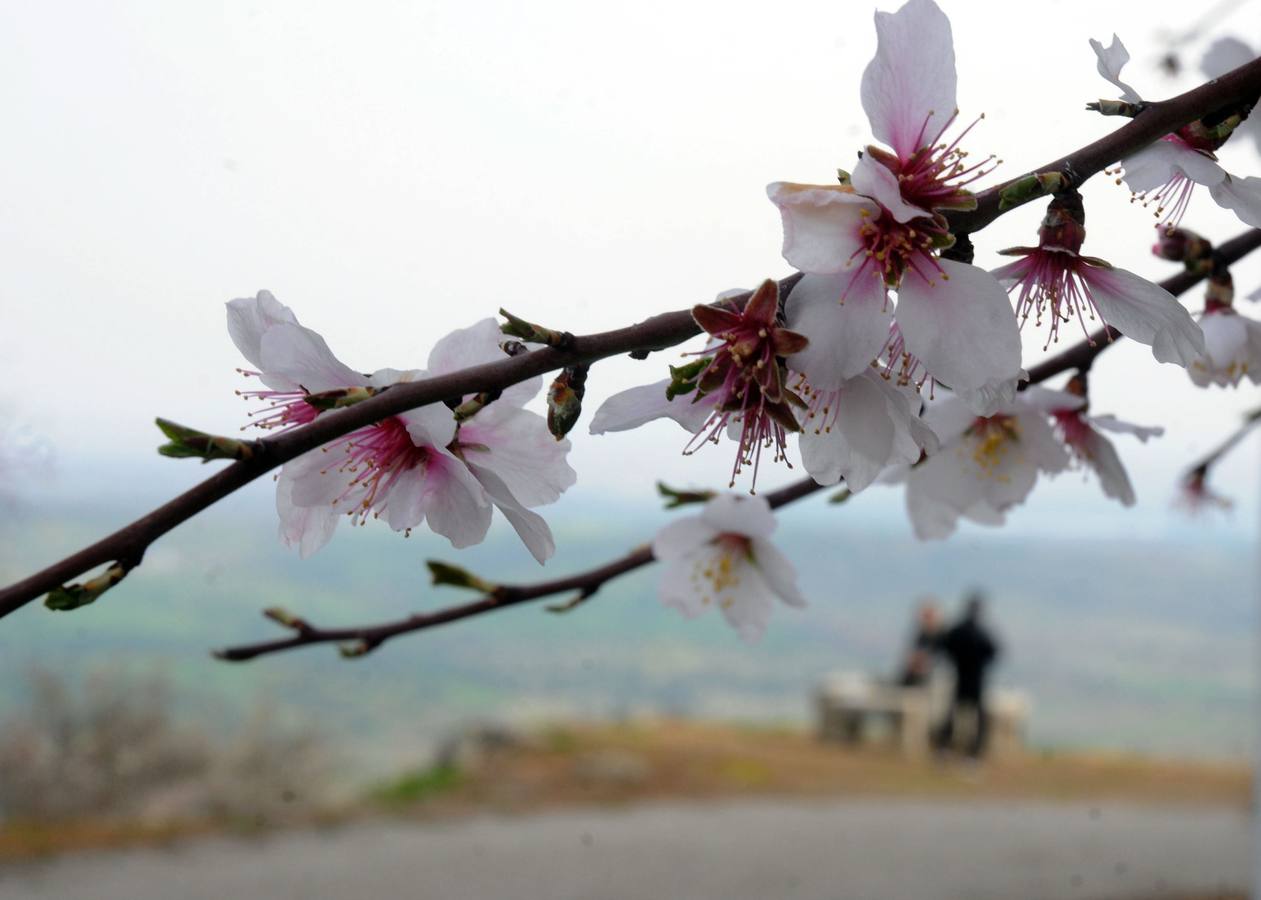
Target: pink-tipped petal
908 88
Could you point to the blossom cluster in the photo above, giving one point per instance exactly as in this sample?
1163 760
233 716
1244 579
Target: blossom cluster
891 358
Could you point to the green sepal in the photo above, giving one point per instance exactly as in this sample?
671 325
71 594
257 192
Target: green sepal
675 498
446 573
339 398
188 443
1030 188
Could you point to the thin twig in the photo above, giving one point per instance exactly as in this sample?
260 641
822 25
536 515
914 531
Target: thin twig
587 583
656 333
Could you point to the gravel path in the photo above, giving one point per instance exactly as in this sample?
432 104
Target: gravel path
732 851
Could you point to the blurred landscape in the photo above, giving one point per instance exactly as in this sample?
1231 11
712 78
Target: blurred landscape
1143 645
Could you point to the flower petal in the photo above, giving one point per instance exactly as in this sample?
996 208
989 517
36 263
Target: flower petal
640 405
250 317
961 327
1157 164
846 317
455 504
908 88
749 516
529 526
1112 423
1242 196
430 426
821 224
680 538
473 346
516 445
1112 60
1103 458
1224 55
1145 312
299 356
778 571
854 442
307 528
873 179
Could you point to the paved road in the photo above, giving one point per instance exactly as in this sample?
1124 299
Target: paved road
732 851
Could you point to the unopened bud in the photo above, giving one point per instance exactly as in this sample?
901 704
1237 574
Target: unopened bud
1180 245
340 397
188 443
74 596
1220 291
536 334
282 616
446 573
1116 108
1030 188
564 400
675 498
356 649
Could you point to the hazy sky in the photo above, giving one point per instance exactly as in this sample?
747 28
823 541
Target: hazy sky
396 170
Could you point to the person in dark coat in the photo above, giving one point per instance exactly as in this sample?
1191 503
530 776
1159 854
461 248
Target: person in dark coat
971 650
917 667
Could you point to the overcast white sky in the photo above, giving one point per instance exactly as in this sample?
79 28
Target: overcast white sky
396 170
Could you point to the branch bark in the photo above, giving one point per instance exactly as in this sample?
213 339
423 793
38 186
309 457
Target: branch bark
661 331
1079 356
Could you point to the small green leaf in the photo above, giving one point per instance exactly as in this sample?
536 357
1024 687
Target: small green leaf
446 573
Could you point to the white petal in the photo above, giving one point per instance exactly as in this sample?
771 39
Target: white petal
1145 312
1113 479
873 179
994 395
455 503
1039 446
821 225
1112 60
429 426
961 327
299 355
908 88
949 417
250 317
1112 423
640 405
529 526
1242 196
519 450
307 528
677 589
730 513
778 572
473 346
1046 400
385 377
844 336
1224 55
854 441
681 538
1157 164
404 503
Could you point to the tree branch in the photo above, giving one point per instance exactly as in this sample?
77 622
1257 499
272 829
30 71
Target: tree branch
1242 85
661 331
1079 356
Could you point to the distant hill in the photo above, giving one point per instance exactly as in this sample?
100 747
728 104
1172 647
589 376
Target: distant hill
1144 645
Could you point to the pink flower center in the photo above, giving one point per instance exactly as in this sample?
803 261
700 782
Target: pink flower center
377 456
936 175
1075 431
1172 198
283 409
891 247
1052 284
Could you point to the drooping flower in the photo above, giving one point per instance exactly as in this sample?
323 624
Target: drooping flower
1166 172
884 229
418 466
1083 435
1054 280
723 558
986 464
1232 341
1197 498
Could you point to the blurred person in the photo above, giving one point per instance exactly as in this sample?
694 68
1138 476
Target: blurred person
917 666
971 650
